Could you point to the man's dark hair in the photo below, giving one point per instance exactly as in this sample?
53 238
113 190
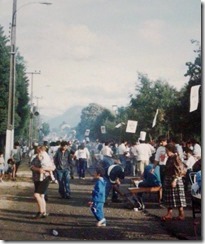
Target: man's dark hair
162 138
64 143
100 171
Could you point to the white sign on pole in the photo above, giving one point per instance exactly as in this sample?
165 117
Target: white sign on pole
131 126
194 98
142 135
103 130
155 119
87 132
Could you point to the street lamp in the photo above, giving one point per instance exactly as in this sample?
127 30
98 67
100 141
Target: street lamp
12 81
36 113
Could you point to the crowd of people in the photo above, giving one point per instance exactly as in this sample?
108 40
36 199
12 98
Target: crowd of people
165 162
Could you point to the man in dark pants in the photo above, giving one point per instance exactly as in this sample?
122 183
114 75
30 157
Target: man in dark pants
62 161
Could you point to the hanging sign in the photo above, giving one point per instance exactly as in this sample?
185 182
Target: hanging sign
131 126
103 130
87 132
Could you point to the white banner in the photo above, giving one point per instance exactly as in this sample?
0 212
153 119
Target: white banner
155 119
131 126
194 98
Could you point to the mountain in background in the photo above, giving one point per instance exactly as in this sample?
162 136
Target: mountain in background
71 116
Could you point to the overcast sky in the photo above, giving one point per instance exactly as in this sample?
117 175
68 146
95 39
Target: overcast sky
92 50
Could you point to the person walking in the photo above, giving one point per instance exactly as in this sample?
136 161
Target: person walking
144 152
16 155
62 161
82 155
40 187
107 154
173 189
98 198
122 151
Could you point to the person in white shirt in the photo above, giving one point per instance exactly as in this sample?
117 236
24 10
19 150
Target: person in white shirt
144 152
161 156
82 155
122 150
107 154
196 149
189 161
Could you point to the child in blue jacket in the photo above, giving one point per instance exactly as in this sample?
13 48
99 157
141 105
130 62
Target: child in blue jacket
98 198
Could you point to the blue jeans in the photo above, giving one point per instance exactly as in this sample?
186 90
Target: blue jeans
97 210
123 160
63 177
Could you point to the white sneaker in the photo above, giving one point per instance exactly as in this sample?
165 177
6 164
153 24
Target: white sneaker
102 222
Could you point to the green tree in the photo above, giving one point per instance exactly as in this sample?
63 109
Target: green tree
21 95
22 100
150 96
88 117
4 78
105 118
189 123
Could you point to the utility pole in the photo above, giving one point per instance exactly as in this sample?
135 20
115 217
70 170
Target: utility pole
12 85
12 81
32 108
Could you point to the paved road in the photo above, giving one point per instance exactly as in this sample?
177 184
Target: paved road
73 220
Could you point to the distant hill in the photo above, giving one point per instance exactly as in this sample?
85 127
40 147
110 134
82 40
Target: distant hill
71 116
